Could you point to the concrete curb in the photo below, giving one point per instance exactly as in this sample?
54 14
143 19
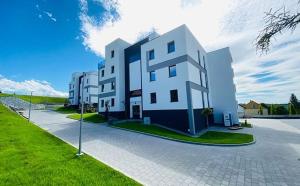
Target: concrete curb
183 141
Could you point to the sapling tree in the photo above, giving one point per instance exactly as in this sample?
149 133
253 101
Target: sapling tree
207 112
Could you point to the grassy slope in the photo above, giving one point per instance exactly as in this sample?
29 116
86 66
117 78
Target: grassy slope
209 137
65 110
40 99
31 156
88 117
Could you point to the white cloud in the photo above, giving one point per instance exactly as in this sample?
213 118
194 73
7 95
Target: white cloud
41 88
233 23
50 15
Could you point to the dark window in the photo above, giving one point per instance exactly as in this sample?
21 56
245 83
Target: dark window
112 102
102 73
151 55
102 88
152 97
174 95
87 98
87 81
172 71
112 69
87 89
112 54
113 85
70 87
152 76
171 47
199 57
102 103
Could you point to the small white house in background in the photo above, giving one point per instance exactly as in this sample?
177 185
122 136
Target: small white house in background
241 111
90 88
168 78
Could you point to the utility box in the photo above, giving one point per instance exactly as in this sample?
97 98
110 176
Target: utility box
147 120
227 117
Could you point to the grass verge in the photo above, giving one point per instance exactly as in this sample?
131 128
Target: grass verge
88 117
39 99
211 137
31 156
65 110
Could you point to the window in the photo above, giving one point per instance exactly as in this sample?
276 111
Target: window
102 73
152 76
151 55
87 98
174 95
199 57
112 102
152 97
112 85
204 65
102 88
112 54
112 69
102 103
70 86
73 86
171 47
87 81
87 89
172 71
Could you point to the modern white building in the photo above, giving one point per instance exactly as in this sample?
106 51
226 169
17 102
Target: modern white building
169 78
89 80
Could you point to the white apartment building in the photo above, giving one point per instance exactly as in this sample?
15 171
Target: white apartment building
89 80
170 79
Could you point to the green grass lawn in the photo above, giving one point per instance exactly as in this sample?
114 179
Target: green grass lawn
40 99
31 156
212 137
65 110
89 117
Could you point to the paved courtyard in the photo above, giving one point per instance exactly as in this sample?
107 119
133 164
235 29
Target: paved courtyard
273 160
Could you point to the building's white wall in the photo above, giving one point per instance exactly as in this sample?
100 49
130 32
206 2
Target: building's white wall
222 88
74 88
117 61
90 92
164 83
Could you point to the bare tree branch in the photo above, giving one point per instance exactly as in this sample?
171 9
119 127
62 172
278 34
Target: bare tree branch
276 22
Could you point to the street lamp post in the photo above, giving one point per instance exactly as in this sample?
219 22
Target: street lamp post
29 107
79 153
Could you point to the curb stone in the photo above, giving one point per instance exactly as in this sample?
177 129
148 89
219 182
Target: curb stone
183 141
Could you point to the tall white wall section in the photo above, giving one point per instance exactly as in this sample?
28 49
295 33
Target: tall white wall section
222 88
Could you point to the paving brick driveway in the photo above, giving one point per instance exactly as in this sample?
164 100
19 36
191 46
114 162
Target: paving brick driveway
273 160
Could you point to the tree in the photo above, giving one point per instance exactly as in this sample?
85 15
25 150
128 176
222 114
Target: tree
294 101
276 22
281 110
207 112
260 110
106 109
292 109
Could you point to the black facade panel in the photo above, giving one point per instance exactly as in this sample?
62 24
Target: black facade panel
131 53
118 115
200 120
174 119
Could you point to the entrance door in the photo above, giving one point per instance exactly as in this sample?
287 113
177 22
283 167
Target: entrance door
136 111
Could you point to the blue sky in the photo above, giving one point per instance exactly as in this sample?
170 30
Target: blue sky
43 42
36 47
